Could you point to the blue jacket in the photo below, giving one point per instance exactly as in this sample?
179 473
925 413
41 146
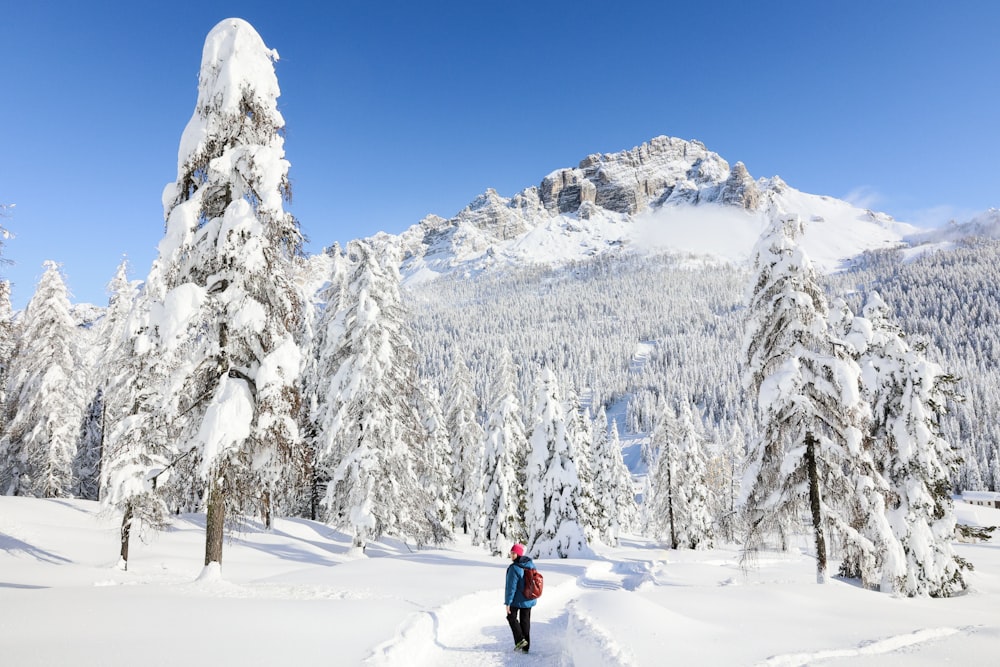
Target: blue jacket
514 593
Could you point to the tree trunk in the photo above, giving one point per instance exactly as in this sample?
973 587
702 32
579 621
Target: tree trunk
266 510
670 505
126 532
215 523
815 509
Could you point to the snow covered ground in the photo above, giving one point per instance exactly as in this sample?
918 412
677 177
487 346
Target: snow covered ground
295 596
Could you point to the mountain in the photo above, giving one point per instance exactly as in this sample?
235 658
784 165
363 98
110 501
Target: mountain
667 195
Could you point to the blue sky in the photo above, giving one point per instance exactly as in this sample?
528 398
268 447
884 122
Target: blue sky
395 110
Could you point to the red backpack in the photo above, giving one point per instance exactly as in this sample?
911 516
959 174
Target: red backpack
533 582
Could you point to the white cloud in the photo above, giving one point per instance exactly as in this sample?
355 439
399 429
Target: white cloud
864 196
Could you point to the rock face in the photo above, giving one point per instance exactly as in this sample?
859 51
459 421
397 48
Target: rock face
662 172
659 172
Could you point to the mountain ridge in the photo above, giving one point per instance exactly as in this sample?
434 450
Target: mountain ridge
665 195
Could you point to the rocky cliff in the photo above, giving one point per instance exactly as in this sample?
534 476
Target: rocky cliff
609 200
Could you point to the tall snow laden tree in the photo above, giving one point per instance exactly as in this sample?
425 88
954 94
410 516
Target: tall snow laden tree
466 443
230 308
809 456
680 502
909 395
370 436
434 471
553 484
324 330
104 347
7 340
503 457
614 493
44 401
138 447
579 430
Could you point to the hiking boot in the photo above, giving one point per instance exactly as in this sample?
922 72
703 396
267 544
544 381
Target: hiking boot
521 646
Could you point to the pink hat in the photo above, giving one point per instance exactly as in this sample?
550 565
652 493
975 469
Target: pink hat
517 549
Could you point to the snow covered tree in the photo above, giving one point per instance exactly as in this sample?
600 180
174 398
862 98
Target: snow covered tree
139 447
7 340
910 394
725 473
614 493
230 308
680 500
104 347
808 400
697 528
321 341
505 442
552 482
434 467
579 431
467 442
370 436
44 400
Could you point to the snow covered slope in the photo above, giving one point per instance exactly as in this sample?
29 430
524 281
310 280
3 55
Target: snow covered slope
667 195
298 595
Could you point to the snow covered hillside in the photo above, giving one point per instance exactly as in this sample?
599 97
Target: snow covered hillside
667 195
294 595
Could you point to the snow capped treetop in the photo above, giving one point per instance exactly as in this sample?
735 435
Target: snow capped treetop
234 62
232 148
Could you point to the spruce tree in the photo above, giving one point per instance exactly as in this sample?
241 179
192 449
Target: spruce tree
693 518
44 396
614 492
580 434
505 442
553 484
324 334
369 431
910 395
139 450
230 307
7 339
467 452
808 400
434 469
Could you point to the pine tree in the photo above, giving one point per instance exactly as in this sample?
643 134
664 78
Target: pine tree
807 397
730 465
320 342
614 493
104 346
505 442
659 497
434 469
552 482
44 400
580 434
696 530
910 395
367 433
680 498
7 339
230 308
139 448
467 452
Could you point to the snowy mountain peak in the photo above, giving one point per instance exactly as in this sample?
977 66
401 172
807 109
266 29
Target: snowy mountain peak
662 171
666 195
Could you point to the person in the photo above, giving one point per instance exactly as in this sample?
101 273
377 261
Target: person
518 608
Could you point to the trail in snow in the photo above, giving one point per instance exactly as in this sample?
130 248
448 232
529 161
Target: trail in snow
473 631
877 647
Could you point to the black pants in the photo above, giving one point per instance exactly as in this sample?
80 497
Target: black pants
521 628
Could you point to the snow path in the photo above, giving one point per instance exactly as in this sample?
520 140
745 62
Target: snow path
472 630
877 647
